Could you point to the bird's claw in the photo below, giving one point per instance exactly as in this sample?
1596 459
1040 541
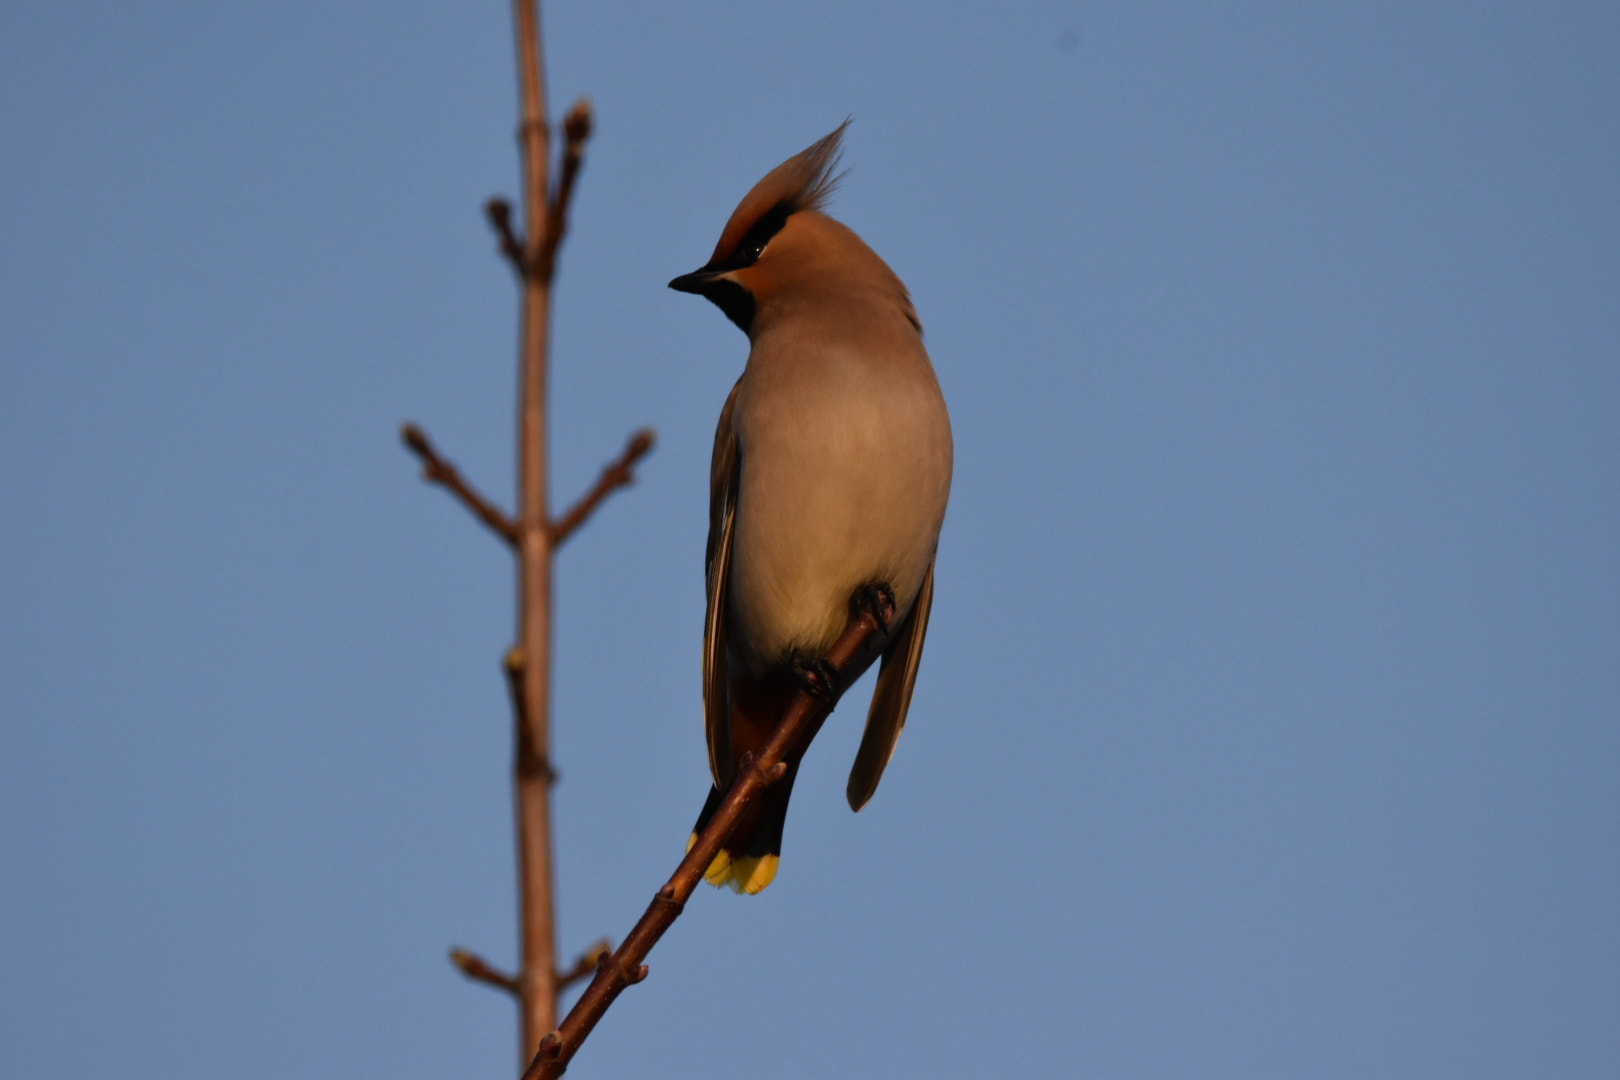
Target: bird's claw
876 600
817 676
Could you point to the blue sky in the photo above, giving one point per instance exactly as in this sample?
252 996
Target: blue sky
1270 719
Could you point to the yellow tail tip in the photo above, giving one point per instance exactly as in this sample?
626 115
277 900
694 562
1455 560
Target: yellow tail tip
745 874
750 875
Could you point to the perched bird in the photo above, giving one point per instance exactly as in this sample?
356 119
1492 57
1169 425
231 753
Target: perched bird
831 469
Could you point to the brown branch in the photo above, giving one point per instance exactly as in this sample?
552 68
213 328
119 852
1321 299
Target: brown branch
531 249
472 965
537 946
439 471
616 474
588 962
499 212
576 129
624 967
527 759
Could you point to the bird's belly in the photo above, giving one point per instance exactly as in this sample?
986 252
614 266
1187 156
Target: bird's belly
827 504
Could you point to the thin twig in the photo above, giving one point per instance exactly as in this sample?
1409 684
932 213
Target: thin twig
527 758
615 474
531 248
537 939
588 962
499 212
624 967
576 129
439 471
473 966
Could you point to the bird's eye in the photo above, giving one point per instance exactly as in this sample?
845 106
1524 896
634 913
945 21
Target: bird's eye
758 238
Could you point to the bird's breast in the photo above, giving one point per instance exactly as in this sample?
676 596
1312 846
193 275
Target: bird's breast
845 470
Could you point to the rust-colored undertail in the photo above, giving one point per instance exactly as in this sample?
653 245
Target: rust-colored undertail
749 859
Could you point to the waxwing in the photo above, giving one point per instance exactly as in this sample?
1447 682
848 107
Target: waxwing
831 470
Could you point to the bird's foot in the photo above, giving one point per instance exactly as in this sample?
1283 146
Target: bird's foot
817 676
876 600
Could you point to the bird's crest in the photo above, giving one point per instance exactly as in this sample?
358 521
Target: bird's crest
803 182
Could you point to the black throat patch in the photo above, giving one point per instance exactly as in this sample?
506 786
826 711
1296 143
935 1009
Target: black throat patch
731 298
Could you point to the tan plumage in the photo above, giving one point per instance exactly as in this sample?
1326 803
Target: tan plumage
831 470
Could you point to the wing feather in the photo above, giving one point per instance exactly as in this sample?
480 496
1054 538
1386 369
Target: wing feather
723 475
891 699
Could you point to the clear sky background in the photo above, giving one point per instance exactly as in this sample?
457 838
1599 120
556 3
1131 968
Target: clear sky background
1270 719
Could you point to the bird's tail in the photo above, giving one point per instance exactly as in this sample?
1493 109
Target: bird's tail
749 859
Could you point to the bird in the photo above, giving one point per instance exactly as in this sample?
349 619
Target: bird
829 480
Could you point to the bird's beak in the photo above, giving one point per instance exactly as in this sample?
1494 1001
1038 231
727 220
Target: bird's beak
720 287
695 282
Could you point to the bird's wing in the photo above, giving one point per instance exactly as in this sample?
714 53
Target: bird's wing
723 472
891 699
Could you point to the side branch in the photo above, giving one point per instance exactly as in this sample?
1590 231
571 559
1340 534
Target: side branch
499 212
576 129
473 966
616 474
624 967
439 471
528 759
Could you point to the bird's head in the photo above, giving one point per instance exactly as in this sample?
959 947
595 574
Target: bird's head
779 246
